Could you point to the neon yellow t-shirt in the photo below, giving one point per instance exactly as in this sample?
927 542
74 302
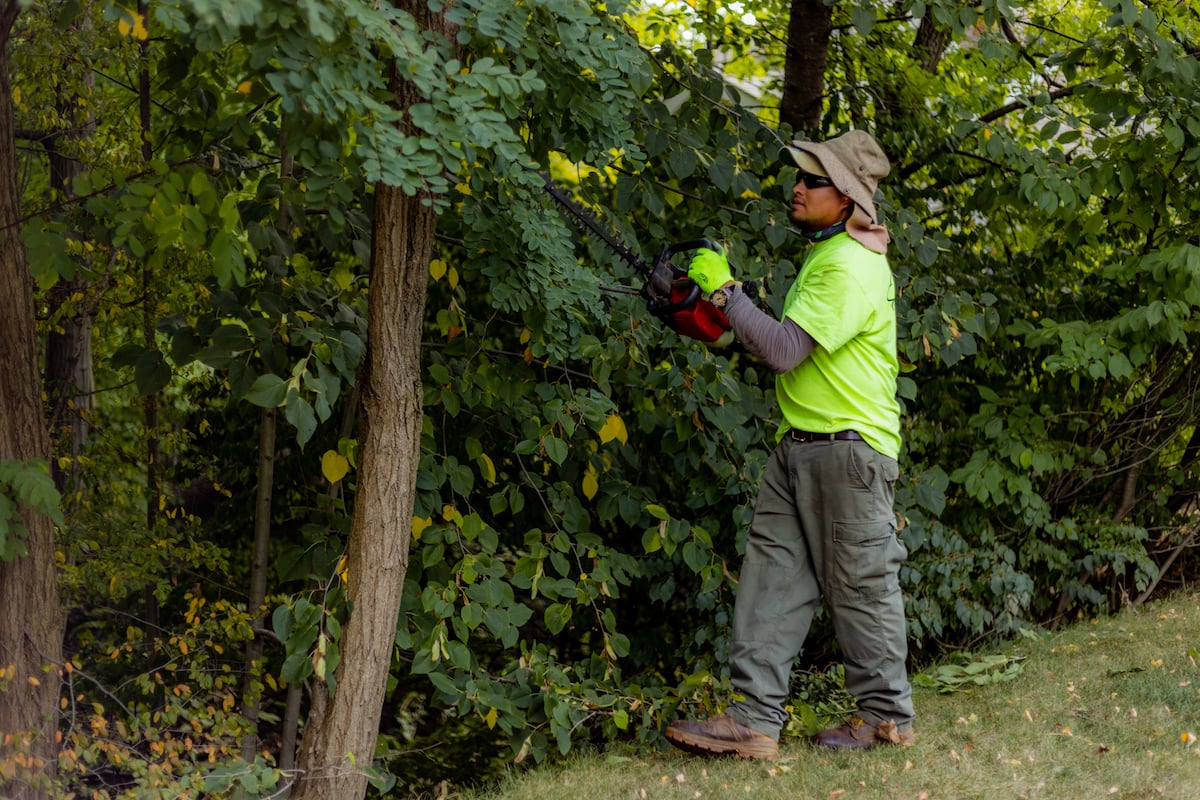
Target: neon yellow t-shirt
845 298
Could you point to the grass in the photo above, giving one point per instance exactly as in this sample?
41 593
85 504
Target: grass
1107 708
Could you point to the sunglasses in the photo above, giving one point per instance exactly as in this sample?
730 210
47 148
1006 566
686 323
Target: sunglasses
812 181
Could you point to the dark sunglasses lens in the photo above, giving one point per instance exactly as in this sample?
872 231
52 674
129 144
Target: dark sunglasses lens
814 181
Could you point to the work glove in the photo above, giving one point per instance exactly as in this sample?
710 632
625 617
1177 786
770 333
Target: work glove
710 270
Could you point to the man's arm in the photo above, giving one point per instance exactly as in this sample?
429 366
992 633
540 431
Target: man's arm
782 345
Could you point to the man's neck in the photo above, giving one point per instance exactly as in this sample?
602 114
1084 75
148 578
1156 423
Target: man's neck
825 233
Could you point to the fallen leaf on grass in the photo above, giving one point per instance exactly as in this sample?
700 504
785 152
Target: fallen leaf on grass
1188 738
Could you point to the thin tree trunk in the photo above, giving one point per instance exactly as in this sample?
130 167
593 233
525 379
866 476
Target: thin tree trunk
340 742
295 692
252 689
31 625
69 377
810 23
152 622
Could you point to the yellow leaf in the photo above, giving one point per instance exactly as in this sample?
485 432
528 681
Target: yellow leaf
526 335
343 570
244 87
489 469
453 278
614 428
490 719
134 25
590 484
419 524
342 278
334 466
437 268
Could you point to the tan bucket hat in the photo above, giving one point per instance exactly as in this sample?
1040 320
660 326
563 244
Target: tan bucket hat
854 162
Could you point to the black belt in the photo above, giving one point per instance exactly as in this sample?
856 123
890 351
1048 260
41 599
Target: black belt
840 436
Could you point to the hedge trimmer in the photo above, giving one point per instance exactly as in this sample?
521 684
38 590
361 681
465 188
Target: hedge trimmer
669 293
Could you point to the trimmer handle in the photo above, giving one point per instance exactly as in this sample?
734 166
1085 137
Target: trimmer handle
682 247
666 278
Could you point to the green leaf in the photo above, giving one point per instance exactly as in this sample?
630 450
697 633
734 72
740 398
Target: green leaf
296 667
556 616
229 265
151 372
268 391
556 449
299 412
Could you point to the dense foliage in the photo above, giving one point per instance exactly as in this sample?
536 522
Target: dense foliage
587 475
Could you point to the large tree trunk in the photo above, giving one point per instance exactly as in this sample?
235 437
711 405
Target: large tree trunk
339 738
31 624
389 436
810 23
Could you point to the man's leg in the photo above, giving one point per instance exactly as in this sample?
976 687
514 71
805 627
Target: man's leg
862 564
777 596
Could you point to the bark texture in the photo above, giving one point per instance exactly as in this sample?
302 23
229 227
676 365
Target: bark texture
810 23
335 745
339 737
31 625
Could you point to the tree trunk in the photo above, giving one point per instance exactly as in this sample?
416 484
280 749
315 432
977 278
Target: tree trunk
810 23
259 566
31 625
151 622
69 377
377 558
339 738
252 689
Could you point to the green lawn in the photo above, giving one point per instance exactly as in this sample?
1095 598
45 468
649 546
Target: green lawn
1107 708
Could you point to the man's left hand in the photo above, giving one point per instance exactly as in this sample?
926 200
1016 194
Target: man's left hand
710 270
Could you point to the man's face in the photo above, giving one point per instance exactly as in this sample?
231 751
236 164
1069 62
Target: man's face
818 208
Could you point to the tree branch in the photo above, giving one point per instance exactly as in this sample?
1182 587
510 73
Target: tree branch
1017 105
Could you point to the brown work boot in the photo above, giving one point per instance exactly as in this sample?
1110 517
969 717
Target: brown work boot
858 735
721 735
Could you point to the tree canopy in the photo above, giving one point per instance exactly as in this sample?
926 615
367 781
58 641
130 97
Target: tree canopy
241 221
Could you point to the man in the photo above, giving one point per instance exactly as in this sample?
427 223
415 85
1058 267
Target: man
824 524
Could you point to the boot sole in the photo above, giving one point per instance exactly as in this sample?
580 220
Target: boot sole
702 745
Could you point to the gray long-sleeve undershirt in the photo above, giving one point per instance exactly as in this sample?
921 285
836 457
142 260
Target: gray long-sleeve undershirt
782 345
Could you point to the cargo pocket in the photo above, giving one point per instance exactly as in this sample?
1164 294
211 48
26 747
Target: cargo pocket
866 560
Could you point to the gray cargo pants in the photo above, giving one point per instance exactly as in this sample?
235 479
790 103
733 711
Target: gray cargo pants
823 525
